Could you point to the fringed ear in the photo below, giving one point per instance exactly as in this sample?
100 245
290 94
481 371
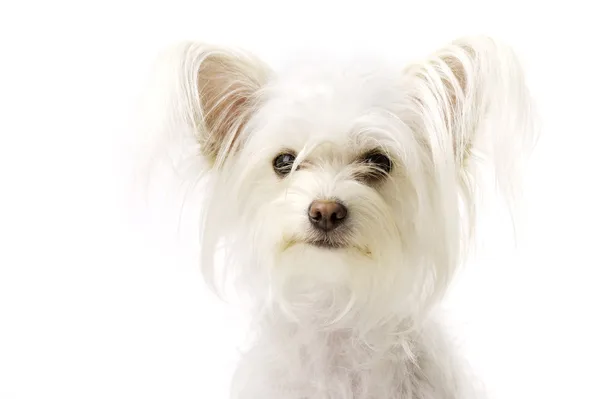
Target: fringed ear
473 109
471 90
218 92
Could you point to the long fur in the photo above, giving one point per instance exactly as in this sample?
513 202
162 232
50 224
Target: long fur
361 322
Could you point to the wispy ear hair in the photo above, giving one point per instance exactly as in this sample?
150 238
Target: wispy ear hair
216 93
475 106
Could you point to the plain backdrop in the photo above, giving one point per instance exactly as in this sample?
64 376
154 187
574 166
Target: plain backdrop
100 298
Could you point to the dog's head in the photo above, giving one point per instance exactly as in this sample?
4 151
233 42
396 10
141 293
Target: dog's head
346 185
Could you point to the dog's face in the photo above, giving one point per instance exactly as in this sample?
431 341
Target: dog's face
342 186
324 167
326 191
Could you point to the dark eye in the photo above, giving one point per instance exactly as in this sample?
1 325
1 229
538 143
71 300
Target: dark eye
282 164
379 165
378 161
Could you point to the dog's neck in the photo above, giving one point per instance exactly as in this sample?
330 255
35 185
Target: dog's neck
378 335
313 359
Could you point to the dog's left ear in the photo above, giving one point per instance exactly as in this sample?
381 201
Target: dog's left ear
221 90
470 105
472 80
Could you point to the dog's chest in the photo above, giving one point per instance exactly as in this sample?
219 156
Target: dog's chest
335 365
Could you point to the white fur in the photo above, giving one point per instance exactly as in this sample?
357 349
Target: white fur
360 322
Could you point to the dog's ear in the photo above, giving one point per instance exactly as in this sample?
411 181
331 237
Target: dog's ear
471 81
442 85
471 106
221 89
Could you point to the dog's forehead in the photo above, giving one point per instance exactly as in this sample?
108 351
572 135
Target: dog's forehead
327 102
329 83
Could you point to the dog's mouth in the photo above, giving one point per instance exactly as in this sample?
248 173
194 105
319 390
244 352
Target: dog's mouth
327 243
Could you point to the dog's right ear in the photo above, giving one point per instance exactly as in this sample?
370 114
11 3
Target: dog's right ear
221 90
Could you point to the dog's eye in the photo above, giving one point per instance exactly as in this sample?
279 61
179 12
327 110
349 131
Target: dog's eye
282 164
379 165
380 162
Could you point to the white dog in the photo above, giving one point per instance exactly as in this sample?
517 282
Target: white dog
343 198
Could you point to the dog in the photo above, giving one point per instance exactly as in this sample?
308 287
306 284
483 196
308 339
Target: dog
340 200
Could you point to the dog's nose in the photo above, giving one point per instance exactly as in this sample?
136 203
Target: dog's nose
327 215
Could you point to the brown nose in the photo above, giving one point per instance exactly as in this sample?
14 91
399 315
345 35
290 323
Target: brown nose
327 215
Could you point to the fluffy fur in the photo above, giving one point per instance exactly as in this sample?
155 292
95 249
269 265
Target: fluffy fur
361 320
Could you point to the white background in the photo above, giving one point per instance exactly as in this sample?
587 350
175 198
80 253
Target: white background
97 303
